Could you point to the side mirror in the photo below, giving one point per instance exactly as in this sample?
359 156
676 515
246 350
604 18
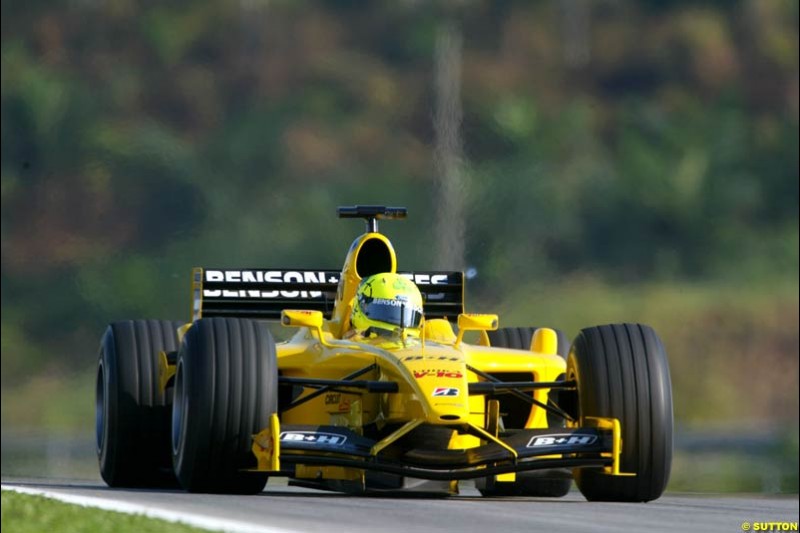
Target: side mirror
301 319
475 322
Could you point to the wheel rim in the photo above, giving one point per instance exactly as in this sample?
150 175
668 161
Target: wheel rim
100 408
178 410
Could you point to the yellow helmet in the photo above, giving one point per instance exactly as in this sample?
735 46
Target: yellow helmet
385 303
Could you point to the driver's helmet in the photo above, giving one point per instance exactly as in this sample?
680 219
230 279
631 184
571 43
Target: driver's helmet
386 304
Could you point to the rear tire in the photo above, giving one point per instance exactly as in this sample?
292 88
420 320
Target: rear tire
622 372
132 413
519 338
538 484
226 388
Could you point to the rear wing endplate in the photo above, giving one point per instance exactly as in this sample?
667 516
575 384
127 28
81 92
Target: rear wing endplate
263 294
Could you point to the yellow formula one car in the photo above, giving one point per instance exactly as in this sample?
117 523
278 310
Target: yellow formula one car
376 392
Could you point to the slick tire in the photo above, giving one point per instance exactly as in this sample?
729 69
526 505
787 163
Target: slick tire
540 484
226 388
622 372
132 413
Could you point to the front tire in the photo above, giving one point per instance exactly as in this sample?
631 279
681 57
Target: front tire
132 413
225 390
622 372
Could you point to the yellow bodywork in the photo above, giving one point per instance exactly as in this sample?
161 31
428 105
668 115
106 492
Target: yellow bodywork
432 372
267 446
616 449
418 367
437 360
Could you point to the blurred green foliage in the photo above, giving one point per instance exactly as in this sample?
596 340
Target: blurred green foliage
633 145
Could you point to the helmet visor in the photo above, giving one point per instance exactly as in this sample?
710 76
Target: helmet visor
395 312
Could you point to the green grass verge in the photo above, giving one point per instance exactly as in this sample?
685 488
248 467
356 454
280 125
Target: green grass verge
24 513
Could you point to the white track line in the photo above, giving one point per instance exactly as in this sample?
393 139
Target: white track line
204 522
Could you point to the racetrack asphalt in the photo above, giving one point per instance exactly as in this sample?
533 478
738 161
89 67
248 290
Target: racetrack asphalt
305 510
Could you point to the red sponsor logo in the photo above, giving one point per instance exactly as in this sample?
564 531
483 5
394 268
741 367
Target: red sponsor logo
438 374
445 391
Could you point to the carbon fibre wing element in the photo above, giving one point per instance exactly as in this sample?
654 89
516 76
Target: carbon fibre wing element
264 293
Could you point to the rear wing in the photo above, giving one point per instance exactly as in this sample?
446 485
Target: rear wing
263 294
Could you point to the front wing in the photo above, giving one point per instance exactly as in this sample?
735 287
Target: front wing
279 452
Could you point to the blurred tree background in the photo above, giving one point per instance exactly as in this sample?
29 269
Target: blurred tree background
622 161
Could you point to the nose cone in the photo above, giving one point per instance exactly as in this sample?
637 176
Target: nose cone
442 383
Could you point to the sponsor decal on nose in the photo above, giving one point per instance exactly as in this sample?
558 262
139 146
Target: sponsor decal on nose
436 373
445 391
